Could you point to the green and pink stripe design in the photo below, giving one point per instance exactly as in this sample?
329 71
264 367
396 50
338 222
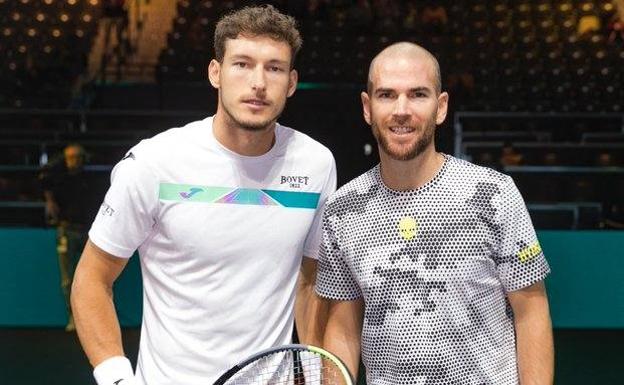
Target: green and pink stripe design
238 196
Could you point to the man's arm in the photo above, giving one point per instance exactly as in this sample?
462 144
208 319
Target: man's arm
534 335
310 309
344 331
92 303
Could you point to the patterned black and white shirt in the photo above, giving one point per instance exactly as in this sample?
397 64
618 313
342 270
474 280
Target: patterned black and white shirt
433 266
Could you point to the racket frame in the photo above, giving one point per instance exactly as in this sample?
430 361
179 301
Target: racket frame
294 348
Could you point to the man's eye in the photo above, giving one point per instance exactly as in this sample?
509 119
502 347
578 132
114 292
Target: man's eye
240 64
275 69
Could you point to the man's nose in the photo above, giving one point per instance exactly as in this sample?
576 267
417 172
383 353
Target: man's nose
401 108
258 79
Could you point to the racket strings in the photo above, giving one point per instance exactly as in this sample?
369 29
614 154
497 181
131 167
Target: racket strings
289 368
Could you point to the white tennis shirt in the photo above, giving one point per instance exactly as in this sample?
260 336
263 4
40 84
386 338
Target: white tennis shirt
220 238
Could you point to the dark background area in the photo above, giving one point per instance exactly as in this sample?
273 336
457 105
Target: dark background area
535 91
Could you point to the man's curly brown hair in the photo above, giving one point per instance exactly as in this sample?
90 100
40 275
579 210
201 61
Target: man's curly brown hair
257 21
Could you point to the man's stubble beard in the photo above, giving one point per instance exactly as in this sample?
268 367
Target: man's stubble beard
248 126
414 149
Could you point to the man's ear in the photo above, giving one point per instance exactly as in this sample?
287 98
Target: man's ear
214 68
443 99
366 107
292 82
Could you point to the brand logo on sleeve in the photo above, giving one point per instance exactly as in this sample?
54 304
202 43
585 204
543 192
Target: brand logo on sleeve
295 181
106 210
529 252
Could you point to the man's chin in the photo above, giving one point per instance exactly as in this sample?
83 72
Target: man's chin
250 125
401 155
253 123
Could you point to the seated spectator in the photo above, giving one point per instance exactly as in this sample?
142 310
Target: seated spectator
614 216
588 23
486 159
461 84
434 17
317 10
8 191
197 36
114 21
410 21
550 159
616 25
360 16
387 14
605 159
510 157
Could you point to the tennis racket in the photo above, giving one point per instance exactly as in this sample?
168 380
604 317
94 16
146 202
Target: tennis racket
289 365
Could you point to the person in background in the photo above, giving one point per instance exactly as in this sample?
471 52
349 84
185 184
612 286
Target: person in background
510 156
616 24
115 21
70 208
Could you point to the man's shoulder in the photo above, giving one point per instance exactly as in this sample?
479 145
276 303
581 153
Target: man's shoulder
303 143
355 194
164 143
467 172
475 183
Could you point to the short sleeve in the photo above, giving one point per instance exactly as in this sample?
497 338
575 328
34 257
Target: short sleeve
521 261
334 279
313 239
127 215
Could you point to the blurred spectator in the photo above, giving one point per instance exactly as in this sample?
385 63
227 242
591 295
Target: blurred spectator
360 16
486 159
510 157
70 207
434 17
604 159
114 21
197 36
582 190
317 10
410 20
461 85
550 159
8 192
387 15
614 216
616 24
588 23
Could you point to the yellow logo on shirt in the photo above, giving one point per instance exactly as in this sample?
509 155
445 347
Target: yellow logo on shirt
529 252
408 228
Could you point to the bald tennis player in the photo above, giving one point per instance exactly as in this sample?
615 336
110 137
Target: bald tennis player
430 264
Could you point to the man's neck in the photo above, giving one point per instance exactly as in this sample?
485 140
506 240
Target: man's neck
403 175
241 141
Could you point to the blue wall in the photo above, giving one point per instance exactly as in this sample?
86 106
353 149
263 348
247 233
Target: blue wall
586 287
30 286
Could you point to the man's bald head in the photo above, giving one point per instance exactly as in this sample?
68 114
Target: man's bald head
406 50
